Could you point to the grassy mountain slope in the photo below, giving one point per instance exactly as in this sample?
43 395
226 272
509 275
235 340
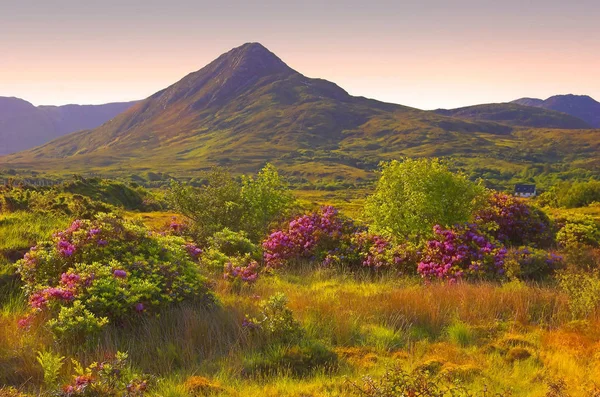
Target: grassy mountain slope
248 107
23 126
580 106
517 115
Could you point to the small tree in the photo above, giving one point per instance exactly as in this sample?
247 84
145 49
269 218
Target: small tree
412 196
212 207
265 198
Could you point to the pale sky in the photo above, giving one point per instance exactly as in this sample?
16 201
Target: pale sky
421 53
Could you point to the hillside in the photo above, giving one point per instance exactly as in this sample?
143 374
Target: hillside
248 107
23 125
580 106
517 115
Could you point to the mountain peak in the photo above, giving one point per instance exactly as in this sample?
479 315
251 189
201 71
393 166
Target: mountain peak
254 58
583 107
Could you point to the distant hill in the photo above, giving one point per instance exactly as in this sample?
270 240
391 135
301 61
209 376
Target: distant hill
23 126
517 115
248 107
580 106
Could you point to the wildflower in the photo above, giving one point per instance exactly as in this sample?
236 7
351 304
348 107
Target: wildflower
118 273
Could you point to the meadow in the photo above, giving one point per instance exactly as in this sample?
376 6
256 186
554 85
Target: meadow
424 284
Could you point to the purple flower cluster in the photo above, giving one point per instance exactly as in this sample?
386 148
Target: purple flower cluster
302 237
461 252
377 252
193 250
511 221
40 299
247 274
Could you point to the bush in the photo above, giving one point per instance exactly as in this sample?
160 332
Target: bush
232 243
276 321
111 378
265 199
108 270
222 202
513 222
462 252
308 236
575 230
527 263
583 290
412 196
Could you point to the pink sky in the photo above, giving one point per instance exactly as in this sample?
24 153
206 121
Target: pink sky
427 53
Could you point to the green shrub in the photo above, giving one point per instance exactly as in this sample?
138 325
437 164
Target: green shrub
222 202
265 199
583 290
414 195
276 320
232 243
577 230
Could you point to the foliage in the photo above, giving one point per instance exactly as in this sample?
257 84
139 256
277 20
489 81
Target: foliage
529 263
572 194
211 208
222 202
51 364
461 252
307 236
513 222
238 274
413 195
112 378
108 270
583 290
265 198
397 382
332 240
577 229
276 320
232 243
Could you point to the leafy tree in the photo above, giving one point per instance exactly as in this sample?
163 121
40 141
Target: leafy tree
212 207
412 196
265 198
222 202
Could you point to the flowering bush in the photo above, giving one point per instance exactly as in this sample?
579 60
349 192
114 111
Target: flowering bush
531 263
307 236
241 271
462 252
511 221
331 240
108 270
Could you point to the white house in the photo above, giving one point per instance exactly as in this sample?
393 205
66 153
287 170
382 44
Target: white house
522 190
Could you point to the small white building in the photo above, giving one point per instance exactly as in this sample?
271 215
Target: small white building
522 190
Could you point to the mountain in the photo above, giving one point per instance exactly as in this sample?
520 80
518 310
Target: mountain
23 126
580 106
517 115
248 107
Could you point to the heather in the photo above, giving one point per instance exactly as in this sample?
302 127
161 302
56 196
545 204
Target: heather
260 294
